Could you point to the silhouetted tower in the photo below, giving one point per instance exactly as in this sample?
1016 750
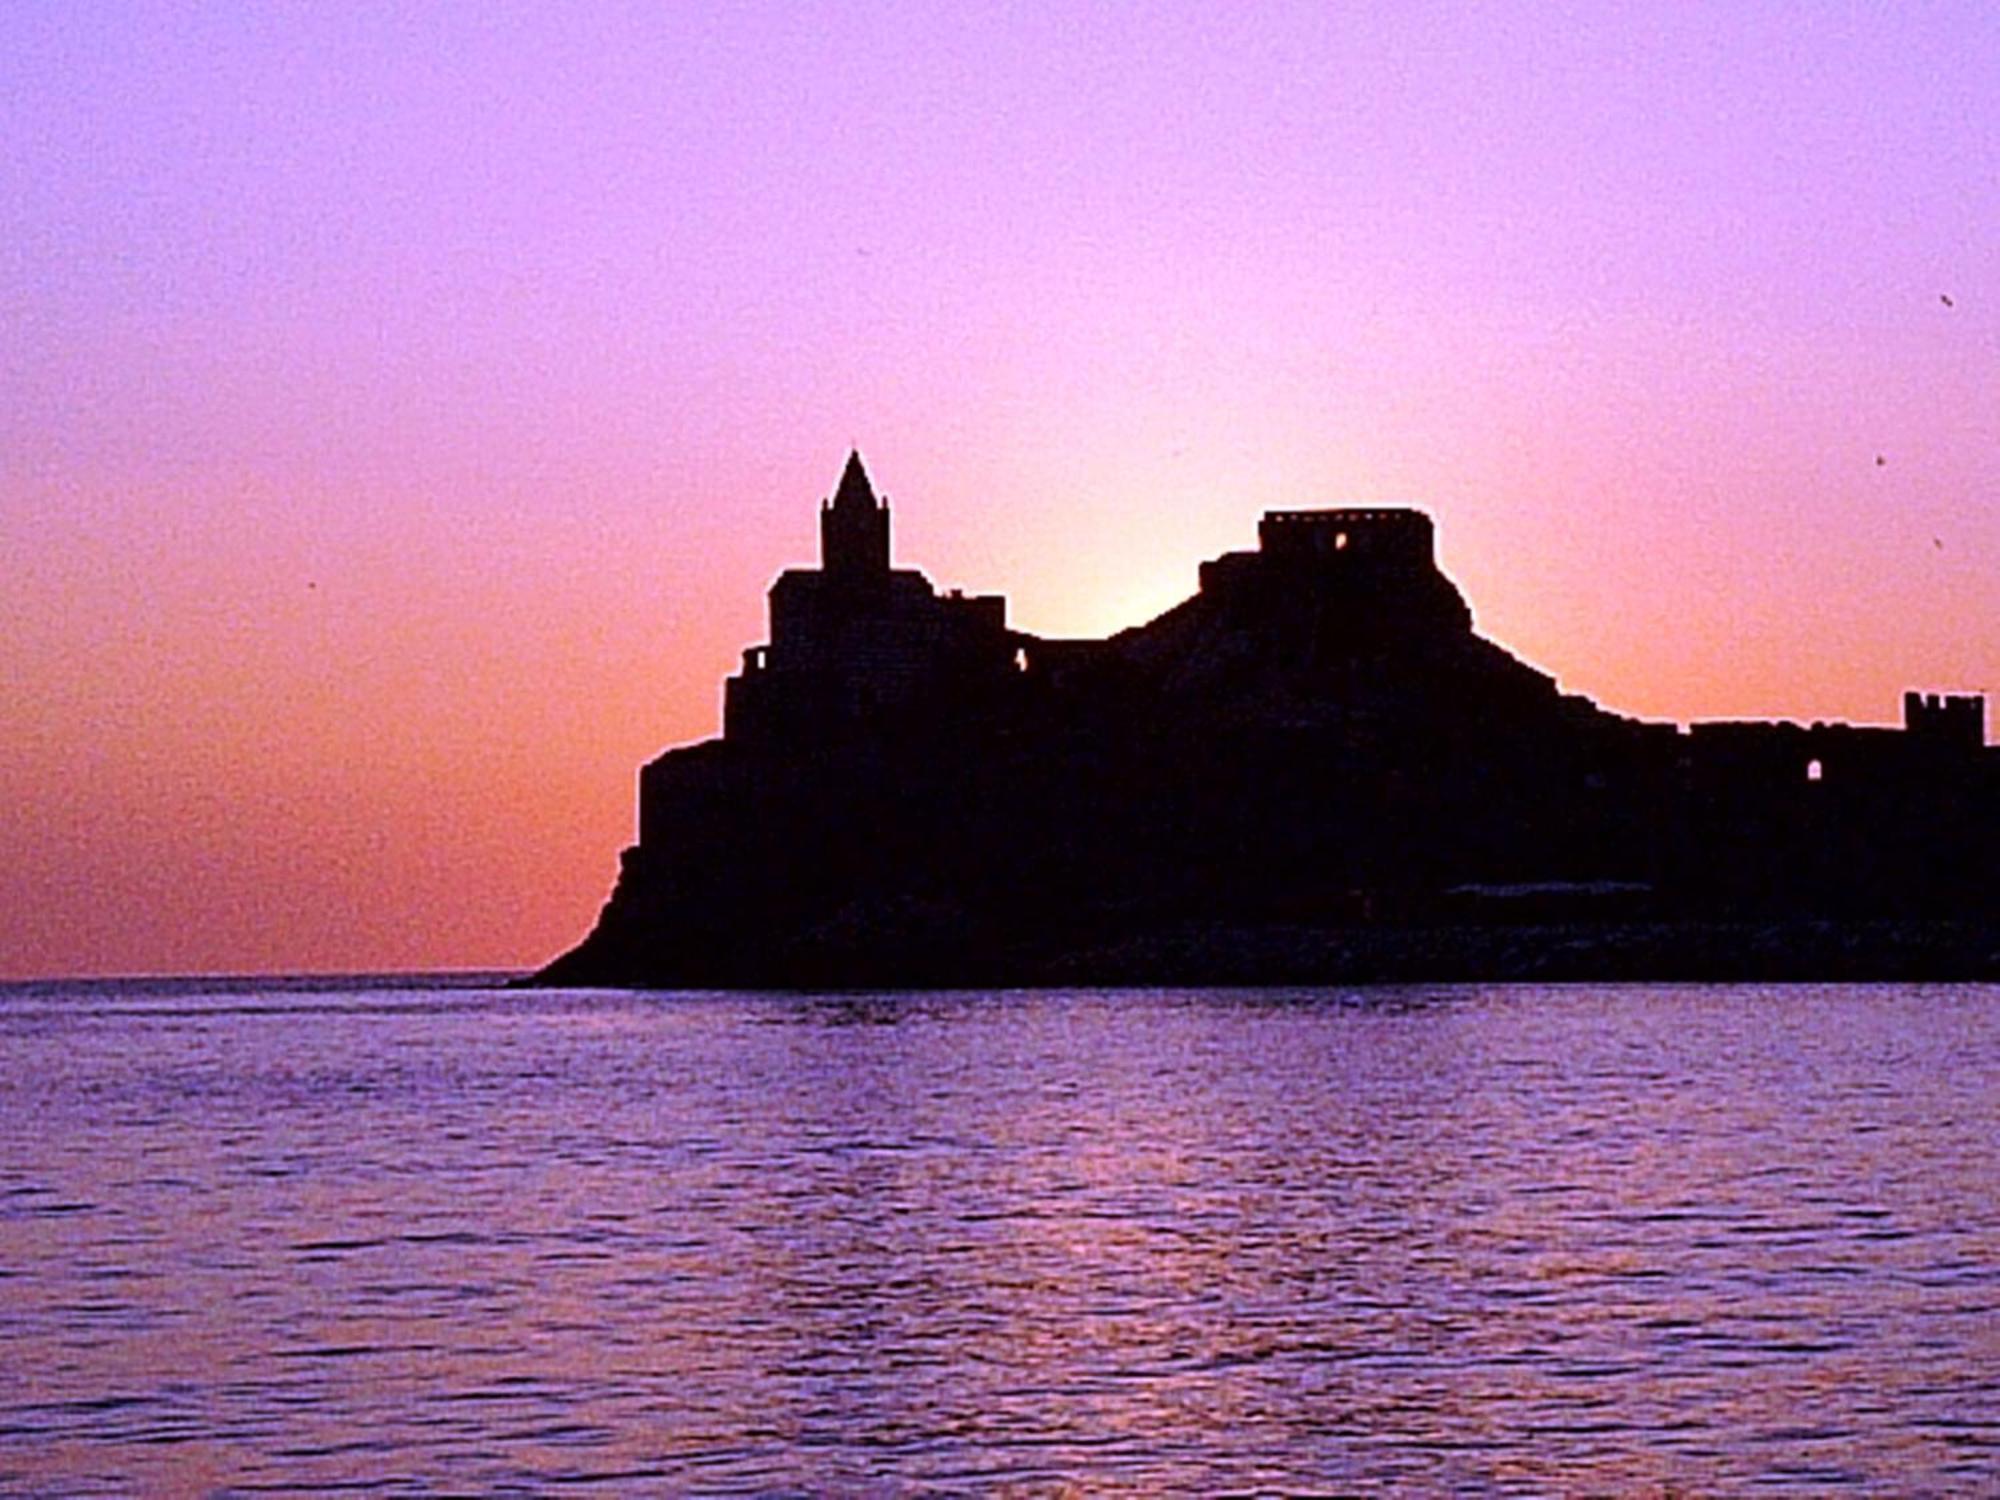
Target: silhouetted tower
854 527
1949 721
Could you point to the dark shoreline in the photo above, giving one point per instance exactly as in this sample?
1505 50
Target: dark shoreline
1221 954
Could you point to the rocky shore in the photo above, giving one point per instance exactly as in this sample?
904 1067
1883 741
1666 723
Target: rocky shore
894 952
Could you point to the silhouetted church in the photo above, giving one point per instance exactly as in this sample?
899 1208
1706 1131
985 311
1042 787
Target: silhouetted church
855 640
1314 767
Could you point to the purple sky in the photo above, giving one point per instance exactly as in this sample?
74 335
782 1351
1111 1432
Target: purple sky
402 408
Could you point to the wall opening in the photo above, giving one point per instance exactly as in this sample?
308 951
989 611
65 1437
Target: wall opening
1815 771
1340 541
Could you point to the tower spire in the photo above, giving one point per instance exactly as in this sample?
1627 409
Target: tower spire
854 527
854 488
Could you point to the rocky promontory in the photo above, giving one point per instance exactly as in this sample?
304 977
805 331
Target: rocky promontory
1314 770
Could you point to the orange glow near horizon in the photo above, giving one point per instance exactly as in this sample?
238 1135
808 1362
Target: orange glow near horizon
381 486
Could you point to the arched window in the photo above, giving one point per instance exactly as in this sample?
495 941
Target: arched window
1815 771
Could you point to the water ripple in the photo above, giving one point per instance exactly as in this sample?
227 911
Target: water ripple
385 1240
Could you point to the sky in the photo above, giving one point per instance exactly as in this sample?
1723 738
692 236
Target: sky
403 409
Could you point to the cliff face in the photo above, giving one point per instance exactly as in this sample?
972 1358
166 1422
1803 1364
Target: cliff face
908 792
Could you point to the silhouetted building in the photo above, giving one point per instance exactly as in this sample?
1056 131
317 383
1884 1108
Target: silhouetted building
856 644
1316 741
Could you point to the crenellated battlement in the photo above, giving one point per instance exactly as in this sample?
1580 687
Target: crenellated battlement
1395 536
1954 719
1375 566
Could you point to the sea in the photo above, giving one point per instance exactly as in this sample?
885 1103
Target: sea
431 1235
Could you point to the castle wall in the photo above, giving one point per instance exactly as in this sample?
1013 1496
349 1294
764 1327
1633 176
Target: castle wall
1955 722
1379 538
1318 730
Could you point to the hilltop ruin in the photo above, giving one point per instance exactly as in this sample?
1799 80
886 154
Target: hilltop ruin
1313 768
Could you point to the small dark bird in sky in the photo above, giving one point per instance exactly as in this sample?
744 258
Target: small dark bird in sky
311 585
1938 542
1880 460
1946 300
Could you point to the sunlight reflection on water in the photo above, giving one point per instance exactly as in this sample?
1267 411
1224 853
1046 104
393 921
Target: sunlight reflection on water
1500 1239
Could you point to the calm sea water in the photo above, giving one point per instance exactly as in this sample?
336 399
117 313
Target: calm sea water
400 1238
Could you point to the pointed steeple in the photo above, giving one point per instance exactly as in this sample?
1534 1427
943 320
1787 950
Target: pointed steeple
854 488
854 527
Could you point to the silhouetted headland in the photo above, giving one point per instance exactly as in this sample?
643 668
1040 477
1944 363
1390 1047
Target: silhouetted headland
1311 771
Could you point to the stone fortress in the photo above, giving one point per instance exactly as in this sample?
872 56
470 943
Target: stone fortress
1313 768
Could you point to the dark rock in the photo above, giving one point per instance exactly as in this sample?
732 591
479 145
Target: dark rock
1314 770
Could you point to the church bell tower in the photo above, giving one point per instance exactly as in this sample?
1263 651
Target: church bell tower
854 527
